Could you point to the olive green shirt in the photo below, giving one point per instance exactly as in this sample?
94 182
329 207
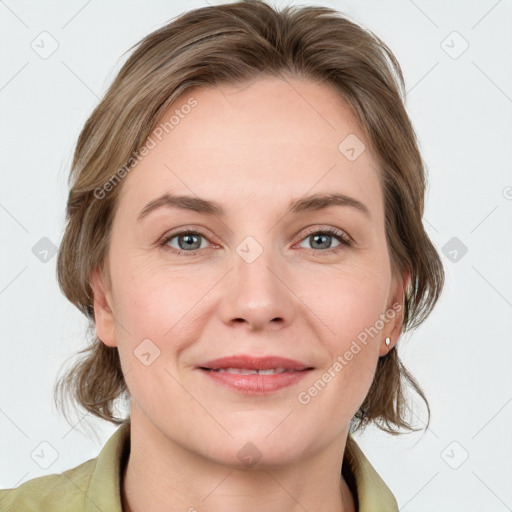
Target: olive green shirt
95 485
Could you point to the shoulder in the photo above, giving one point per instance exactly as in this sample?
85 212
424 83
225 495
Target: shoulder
93 485
56 493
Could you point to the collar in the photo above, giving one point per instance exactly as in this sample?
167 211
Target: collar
104 492
367 486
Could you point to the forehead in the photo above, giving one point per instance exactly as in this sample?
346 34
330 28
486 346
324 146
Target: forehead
270 138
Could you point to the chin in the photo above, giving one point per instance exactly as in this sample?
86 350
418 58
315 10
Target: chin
253 456
267 446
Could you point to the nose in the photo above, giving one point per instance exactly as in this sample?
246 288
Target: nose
258 294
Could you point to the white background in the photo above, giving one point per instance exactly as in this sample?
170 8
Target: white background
461 109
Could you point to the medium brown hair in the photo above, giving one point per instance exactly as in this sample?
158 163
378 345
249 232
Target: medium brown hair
235 43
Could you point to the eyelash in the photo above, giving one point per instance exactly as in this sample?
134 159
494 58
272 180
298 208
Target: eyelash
342 237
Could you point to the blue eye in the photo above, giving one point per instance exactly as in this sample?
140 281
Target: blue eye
324 238
190 242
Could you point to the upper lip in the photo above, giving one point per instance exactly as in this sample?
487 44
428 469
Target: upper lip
254 363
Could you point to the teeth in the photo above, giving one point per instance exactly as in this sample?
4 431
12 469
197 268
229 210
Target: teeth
244 371
272 371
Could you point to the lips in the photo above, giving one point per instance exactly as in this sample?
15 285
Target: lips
245 371
244 362
255 375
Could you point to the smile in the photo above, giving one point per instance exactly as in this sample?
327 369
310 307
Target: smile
254 375
244 371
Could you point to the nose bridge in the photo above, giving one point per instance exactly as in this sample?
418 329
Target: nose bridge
256 294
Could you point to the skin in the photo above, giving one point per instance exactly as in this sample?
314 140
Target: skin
253 149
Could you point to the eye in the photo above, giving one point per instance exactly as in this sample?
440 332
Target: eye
185 242
188 242
321 240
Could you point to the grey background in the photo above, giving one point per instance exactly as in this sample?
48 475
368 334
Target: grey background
460 102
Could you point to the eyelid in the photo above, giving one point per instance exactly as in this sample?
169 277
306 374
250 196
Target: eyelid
181 230
345 239
328 230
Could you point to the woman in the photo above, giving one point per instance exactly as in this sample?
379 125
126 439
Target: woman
245 234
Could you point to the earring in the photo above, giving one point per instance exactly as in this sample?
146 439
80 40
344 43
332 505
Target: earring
388 341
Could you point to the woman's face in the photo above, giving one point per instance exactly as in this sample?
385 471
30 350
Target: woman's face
261 279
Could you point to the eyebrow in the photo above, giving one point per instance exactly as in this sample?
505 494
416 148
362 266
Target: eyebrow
209 207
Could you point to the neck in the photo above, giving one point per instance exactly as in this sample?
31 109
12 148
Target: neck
161 475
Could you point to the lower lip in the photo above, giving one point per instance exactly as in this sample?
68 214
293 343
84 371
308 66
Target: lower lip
256 384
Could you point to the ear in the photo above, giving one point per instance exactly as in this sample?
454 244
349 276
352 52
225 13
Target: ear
395 312
103 314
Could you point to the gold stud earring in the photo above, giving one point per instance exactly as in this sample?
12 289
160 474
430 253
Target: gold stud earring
388 341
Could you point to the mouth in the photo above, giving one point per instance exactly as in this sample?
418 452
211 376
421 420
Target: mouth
255 375
244 371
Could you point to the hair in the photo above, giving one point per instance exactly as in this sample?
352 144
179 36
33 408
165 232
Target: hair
234 43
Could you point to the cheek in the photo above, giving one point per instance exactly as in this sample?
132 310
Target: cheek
151 298
350 306
348 300
154 324
355 344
